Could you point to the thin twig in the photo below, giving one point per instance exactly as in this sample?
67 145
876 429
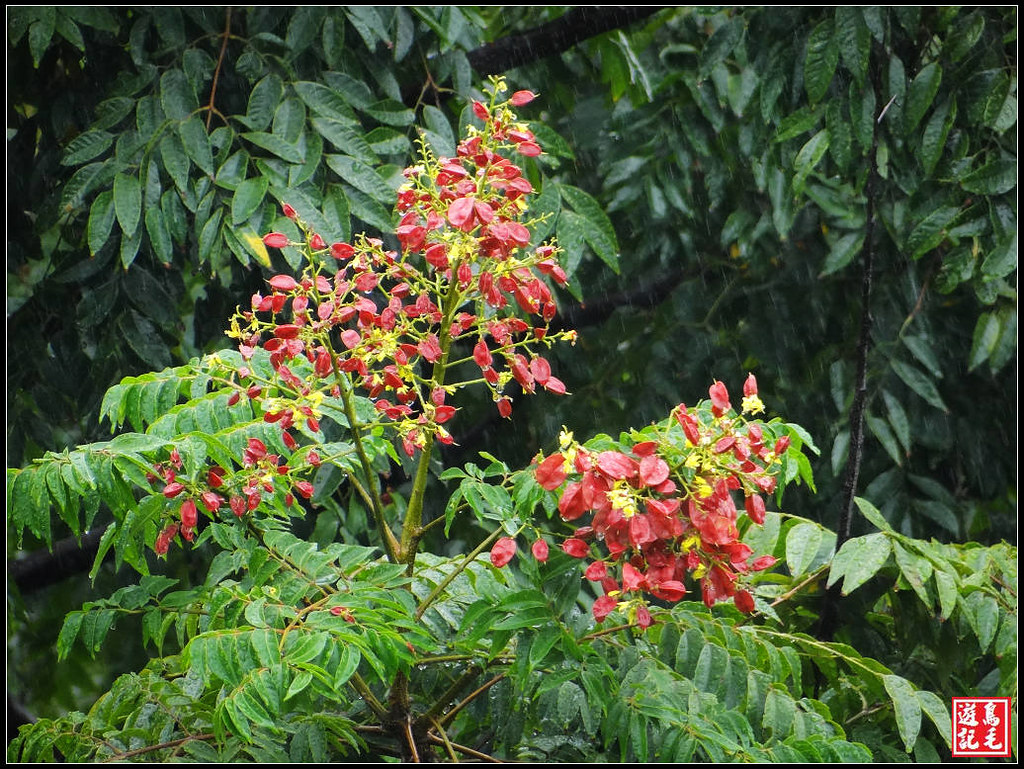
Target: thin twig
447 743
216 71
606 631
412 741
830 607
458 570
793 591
160 746
451 693
463 749
391 545
472 696
920 302
867 712
885 109
298 620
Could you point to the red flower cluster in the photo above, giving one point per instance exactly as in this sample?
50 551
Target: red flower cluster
262 473
664 508
463 268
397 323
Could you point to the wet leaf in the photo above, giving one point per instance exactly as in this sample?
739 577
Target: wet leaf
872 513
821 61
986 334
808 157
858 560
248 198
880 429
842 253
920 383
993 178
906 707
127 202
802 544
920 95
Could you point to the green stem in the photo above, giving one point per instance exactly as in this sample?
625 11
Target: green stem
458 570
605 631
411 531
449 696
813 577
411 526
447 718
463 749
368 696
441 659
376 506
160 746
826 648
444 738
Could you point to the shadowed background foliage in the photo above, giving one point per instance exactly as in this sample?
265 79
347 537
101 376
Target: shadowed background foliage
719 180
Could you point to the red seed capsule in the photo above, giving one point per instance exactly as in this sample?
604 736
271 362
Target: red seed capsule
189 514
283 283
519 98
503 551
275 240
171 490
540 550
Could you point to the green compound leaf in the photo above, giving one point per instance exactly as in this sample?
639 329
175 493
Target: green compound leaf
858 560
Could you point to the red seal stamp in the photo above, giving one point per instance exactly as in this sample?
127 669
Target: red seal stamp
981 727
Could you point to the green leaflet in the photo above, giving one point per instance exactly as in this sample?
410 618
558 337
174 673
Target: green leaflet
858 560
994 178
263 101
872 513
802 544
821 60
362 177
102 215
907 708
720 45
842 253
920 94
854 40
248 198
598 231
920 383
86 146
808 157
196 143
176 95
127 202
986 335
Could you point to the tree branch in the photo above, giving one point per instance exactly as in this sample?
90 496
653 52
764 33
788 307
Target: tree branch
554 37
42 568
216 72
447 718
646 296
160 746
463 749
550 39
830 609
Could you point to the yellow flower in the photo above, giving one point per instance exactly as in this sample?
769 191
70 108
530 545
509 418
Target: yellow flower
752 405
704 489
691 542
621 499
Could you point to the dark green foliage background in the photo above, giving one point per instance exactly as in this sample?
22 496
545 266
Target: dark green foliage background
706 176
